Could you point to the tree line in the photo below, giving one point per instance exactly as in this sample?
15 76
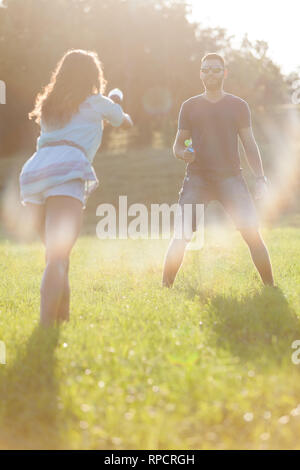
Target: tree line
148 48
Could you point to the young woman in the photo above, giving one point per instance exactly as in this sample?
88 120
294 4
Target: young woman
57 180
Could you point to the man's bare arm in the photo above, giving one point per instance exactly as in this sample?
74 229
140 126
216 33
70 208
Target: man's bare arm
251 150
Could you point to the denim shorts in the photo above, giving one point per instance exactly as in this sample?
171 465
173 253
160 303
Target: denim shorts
232 192
73 188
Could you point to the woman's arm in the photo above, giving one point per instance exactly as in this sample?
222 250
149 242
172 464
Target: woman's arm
116 96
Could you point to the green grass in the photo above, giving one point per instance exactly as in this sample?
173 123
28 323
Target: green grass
206 365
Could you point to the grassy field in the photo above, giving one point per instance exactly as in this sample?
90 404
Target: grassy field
206 365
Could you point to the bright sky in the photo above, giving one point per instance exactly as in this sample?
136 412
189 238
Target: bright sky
276 22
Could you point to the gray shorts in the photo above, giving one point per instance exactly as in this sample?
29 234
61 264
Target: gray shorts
232 192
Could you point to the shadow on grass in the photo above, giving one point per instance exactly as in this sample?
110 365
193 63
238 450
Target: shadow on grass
29 396
260 326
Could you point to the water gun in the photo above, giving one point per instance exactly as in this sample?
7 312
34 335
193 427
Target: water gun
188 144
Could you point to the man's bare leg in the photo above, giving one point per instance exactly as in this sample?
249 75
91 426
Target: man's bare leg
259 254
173 260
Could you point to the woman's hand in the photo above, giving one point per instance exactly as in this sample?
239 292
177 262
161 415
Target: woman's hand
116 95
127 121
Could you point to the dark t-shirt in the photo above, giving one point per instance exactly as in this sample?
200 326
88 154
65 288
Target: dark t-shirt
214 131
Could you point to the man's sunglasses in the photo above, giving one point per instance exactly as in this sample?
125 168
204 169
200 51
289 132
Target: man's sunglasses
213 69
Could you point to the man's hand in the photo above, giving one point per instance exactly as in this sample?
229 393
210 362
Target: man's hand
261 189
188 156
180 150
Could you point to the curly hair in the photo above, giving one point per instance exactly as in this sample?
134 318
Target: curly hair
77 75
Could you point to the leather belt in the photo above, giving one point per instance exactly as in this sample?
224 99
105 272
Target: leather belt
64 142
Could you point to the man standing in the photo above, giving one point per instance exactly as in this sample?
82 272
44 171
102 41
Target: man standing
214 120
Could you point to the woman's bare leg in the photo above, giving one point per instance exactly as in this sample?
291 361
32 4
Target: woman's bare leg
35 218
64 307
62 226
